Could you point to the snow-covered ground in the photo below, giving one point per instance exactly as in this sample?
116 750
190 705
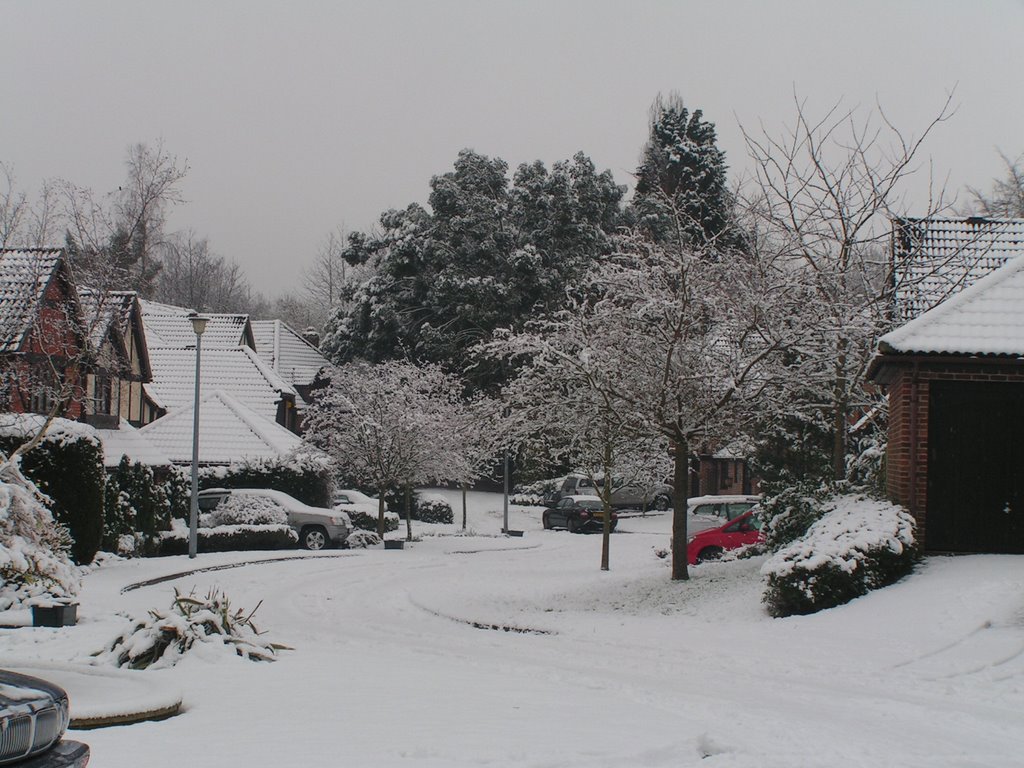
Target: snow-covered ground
395 662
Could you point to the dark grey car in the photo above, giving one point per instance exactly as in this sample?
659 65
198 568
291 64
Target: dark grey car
33 717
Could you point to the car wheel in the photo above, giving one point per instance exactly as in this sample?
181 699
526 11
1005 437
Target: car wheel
570 525
546 519
662 502
710 553
314 538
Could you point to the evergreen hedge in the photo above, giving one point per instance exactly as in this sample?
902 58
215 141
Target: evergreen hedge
229 538
68 467
305 478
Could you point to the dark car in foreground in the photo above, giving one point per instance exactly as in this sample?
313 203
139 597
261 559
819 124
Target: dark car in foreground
714 542
33 717
577 514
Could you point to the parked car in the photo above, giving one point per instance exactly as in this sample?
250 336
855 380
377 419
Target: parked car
577 514
624 496
317 527
350 500
725 507
714 542
33 718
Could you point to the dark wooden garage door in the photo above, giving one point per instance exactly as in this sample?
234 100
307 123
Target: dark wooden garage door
975 467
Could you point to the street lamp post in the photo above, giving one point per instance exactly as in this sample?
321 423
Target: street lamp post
198 325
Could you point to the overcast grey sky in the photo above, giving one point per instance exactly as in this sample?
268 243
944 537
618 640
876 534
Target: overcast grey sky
296 117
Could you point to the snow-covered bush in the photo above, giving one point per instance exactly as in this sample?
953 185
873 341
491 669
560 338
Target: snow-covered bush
135 508
66 466
859 545
368 522
434 509
227 538
362 539
238 509
163 637
788 515
33 548
533 494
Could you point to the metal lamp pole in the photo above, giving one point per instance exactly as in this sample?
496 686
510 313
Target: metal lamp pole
198 325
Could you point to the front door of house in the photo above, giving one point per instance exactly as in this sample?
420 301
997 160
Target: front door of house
975 467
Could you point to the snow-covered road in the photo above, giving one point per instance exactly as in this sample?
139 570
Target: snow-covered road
391 668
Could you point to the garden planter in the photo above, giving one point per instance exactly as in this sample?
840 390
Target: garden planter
55 615
394 544
511 532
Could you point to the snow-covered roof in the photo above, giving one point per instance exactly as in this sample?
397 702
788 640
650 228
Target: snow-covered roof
237 371
935 258
228 431
24 275
287 352
169 326
986 318
126 440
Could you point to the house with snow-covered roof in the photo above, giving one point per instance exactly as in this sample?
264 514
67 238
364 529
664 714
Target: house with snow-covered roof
114 388
955 382
230 431
42 340
289 353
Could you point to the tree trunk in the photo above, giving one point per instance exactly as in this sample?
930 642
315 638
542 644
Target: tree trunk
380 512
606 499
408 513
680 483
463 506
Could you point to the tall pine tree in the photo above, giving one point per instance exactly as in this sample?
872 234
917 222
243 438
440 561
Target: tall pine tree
681 191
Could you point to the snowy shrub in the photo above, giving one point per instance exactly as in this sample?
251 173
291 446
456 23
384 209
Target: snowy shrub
434 509
362 539
162 638
533 494
788 515
368 522
135 503
227 538
67 466
859 545
33 548
247 510
305 477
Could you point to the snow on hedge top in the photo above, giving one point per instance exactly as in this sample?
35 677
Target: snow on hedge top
25 425
852 526
986 318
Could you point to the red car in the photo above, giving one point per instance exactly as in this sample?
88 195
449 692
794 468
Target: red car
710 544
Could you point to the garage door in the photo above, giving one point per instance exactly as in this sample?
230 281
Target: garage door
975 468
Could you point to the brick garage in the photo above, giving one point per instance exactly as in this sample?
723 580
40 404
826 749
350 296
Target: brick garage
955 382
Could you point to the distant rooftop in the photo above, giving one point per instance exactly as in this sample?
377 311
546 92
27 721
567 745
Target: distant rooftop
24 275
287 352
169 326
935 258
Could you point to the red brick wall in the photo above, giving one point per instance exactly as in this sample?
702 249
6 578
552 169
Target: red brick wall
907 456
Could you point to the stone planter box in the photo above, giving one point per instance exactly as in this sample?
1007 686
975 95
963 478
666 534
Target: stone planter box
394 544
55 615
511 532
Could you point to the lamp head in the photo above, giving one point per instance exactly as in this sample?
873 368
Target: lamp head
198 323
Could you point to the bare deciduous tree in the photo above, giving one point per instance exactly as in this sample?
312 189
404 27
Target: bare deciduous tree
1006 198
824 193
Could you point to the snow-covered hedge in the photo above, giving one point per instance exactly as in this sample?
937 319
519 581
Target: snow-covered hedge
67 466
227 538
789 515
860 544
533 494
362 539
164 636
433 509
33 549
367 522
304 476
